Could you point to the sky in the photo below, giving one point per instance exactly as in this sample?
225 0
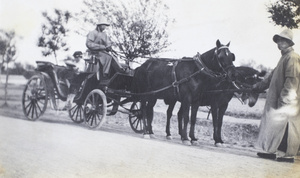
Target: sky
199 24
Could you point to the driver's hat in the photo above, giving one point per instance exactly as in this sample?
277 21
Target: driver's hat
102 21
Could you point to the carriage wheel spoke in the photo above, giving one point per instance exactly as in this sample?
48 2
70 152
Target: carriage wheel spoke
38 106
32 111
81 112
77 110
36 111
29 103
138 123
41 102
89 100
26 98
95 119
92 119
93 100
29 110
135 120
73 112
99 117
88 117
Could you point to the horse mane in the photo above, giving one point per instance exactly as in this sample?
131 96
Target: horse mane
207 58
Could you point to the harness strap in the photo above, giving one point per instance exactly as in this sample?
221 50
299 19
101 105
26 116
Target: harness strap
187 78
176 87
202 66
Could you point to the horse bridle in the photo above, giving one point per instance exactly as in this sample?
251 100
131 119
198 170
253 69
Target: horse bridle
224 69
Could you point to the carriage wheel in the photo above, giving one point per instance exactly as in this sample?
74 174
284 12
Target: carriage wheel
136 118
76 113
34 98
94 109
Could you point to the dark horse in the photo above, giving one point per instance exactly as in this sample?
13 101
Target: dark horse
180 80
218 97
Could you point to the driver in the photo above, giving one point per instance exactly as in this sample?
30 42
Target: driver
98 42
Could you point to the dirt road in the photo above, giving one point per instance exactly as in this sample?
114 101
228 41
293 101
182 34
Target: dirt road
52 149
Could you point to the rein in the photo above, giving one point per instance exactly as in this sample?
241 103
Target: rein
243 90
174 84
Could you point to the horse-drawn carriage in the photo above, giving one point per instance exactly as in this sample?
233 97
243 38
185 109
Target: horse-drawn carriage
94 99
185 80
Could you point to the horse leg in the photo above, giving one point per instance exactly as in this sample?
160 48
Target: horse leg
214 112
185 114
169 115
220 122
145 120
194 110
149 113
179 119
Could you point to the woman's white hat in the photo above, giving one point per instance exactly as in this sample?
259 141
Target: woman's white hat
286 34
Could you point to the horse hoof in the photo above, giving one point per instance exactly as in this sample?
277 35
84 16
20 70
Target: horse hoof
146 136
153 136
186 142
195 142
169 137
220 145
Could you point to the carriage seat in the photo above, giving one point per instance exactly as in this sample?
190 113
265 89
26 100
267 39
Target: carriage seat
94 66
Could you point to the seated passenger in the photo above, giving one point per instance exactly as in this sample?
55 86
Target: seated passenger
76 63
71 74
99 43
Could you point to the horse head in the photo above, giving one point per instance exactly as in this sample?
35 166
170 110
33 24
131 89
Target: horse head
248 76
224 58
220 60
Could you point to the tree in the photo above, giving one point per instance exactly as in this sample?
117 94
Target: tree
138 27
3 47
8 52
285 13
54 32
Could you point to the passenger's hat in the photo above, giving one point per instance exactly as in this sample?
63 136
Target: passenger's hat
77 53
285 34
102 21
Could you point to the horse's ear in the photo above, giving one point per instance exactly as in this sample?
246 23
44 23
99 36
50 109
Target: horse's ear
228 44
218 43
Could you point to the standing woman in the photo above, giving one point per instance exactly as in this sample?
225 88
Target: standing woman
279 132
